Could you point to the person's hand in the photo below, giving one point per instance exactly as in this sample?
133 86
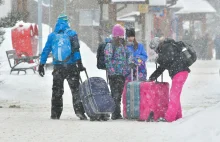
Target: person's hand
80 66
41 70
132 65
150 80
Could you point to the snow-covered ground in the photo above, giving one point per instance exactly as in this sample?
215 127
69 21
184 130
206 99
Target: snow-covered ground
31 123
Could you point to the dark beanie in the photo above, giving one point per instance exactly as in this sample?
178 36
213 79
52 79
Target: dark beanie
130 32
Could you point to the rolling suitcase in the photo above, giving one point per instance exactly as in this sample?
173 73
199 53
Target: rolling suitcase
145 101
139 100
161 98
96 98
154 98
131 99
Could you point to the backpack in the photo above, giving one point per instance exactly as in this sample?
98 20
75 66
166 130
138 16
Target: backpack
101 56
187 53
61 47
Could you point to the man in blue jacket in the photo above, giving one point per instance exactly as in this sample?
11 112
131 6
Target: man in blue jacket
61 42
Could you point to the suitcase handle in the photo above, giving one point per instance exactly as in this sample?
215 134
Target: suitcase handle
132 74
80 76
161 74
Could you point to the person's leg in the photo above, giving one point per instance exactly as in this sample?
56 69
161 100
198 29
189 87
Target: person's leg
116 85
124 98
73 81
57 93
175 92
179 112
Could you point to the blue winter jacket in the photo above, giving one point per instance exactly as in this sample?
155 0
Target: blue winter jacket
140 52
139 57
61 26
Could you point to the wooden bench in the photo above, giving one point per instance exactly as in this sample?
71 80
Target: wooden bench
22 63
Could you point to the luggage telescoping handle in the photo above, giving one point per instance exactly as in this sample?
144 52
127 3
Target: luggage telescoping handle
161 74
132 74
86 76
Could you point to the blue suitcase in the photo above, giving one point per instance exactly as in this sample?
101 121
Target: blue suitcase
133 98
96 98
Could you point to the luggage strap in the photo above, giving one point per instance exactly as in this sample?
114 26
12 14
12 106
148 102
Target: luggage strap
80 79
132 74
161 74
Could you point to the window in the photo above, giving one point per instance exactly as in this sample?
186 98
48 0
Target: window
89 17
105 12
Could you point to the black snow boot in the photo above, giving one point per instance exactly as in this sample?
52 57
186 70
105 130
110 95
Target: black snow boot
55 115
95 118
81 116
116 116
161 120
151 117
105 117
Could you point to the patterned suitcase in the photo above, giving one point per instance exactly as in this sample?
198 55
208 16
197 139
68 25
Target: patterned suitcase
147 100
142 98
161 99
154 97
132 101
96 98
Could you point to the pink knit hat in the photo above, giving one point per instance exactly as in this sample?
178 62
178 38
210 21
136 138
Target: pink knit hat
118 31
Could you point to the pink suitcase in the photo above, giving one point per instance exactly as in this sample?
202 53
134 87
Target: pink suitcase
154 97
147 100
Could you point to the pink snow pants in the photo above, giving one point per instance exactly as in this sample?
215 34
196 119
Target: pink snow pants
174 111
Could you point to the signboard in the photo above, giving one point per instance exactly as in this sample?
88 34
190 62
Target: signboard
130 1
143 8
121 23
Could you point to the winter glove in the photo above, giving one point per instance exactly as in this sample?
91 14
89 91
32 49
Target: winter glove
41 70
80 66
132 65
150 80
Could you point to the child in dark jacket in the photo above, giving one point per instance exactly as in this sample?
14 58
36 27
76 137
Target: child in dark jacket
169 58
116 59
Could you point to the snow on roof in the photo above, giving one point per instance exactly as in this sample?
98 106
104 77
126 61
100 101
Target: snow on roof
157 2
131 14
151 2
179 4
128 0
195 6
128 19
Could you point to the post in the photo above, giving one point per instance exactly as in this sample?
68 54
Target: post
49 15
40 25
65 6
143 28
112 13
101 23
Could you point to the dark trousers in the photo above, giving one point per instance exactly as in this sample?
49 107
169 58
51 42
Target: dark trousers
116 83
71 74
